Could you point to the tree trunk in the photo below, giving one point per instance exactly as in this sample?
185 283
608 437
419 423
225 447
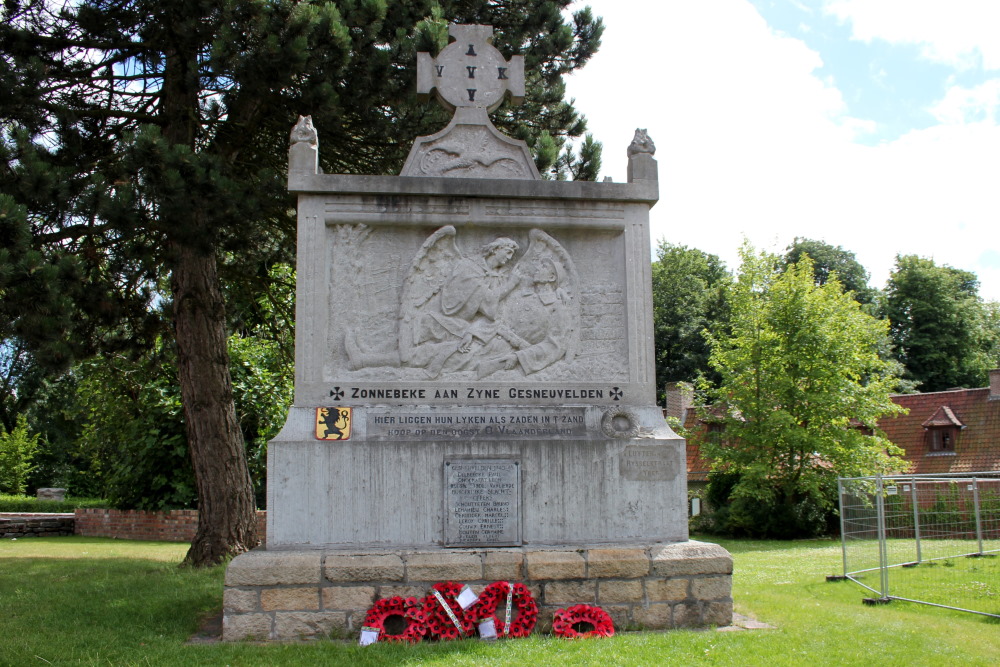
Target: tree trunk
227 521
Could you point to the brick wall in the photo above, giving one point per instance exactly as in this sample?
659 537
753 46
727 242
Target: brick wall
172 526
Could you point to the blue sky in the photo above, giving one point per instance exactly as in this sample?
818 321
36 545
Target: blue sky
870 124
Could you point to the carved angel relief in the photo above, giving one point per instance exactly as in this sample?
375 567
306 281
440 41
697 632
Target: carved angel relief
485 313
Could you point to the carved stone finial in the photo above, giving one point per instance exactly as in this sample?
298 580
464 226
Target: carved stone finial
303 154
641 143
641 165
304 131
470 77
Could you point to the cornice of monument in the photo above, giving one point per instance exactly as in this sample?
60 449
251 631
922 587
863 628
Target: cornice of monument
637 191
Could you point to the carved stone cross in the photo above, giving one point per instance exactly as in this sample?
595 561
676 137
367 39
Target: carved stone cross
470 78
470 72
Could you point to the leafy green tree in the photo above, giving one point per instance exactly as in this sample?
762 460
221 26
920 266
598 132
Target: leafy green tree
690 298
144 144
828 260
802 387
17 449
941 330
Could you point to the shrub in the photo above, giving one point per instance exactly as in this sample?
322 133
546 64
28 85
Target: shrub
774 516
27 504
17 449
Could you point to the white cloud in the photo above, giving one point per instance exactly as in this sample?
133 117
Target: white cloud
969 105
956 32
752 141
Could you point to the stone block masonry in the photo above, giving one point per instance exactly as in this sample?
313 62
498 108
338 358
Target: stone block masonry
13 526
297 594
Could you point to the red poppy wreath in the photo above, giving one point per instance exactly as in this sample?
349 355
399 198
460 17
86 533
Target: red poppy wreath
582 620
445 617
398 619
510 605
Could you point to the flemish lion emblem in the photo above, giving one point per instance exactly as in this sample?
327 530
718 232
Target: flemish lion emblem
333 423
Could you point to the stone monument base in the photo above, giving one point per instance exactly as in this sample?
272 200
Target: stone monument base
295 594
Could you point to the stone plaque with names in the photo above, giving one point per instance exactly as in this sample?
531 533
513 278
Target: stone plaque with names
482 502
641 464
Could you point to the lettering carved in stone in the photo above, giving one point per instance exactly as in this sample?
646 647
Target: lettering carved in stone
486 313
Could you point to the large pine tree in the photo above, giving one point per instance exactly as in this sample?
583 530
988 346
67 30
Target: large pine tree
143 147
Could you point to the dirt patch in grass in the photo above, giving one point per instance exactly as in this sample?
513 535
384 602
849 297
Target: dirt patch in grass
209 629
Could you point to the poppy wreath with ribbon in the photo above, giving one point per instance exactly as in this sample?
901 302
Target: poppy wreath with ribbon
582 620
445 617
499 601
410 610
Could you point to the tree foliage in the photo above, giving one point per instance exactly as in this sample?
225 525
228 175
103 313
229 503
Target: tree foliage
17 450
690 298
940 328
828 260
802 387
143 144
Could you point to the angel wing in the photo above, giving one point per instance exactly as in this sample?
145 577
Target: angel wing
544 256
430 267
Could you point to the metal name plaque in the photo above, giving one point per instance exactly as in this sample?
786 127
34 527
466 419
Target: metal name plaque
482 502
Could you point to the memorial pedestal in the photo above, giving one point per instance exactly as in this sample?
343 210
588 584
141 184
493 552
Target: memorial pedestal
295 594
474 388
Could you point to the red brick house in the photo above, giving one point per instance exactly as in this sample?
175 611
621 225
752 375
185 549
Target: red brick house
949 431
944 432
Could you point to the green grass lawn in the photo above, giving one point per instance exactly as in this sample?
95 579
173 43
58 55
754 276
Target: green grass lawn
74 600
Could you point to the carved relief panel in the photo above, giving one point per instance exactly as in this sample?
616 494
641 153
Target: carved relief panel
464 304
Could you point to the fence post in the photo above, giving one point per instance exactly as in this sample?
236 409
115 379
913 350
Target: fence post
916 515
882 555
843 533
979 523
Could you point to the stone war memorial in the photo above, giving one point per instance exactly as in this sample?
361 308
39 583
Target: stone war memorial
474 387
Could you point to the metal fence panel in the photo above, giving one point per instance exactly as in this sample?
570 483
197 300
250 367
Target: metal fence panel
932 539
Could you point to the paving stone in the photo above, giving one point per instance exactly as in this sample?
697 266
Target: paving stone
377 567
555 565
246 626
617 563
274 568
289 599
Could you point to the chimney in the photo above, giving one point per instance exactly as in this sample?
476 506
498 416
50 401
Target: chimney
995 384
679 397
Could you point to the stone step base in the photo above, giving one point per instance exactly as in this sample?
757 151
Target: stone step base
285 594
